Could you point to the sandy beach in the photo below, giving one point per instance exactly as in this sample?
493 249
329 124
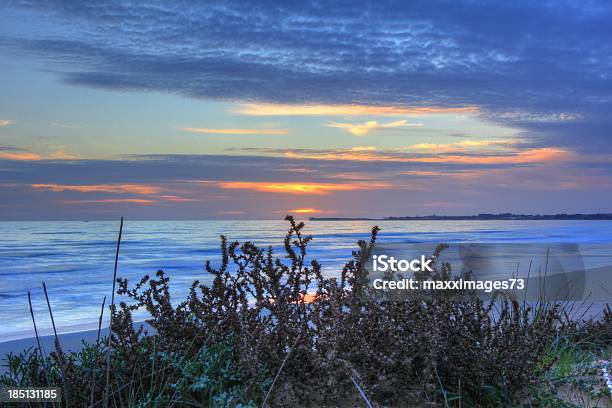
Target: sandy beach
70 342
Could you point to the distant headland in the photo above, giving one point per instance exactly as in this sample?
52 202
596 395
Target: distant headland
483 217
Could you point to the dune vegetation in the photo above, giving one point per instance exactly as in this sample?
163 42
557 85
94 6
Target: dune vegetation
272 330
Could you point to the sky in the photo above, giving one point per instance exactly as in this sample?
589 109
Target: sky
252 110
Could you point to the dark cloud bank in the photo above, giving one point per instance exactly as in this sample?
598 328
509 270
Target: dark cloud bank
528 63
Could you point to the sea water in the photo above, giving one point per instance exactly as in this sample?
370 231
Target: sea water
75 259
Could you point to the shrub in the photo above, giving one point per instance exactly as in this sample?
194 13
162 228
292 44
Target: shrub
275 331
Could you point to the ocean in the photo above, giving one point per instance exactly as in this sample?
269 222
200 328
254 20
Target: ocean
75 259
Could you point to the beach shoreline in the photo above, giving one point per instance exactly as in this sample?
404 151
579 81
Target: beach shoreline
70 342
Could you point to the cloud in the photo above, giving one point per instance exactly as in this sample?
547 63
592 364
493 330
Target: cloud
230 212
177 199
5 122
463 145
20 156
396 183
402 54
540 67
270 109
486 143
371 125
300 188
535 155
236 131
363 148
157 199
139 189
444 204
523 116
66 125
456 174
540 155
61 155
27 156
110 200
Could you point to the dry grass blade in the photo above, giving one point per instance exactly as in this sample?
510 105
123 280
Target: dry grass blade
279 371
40 350
361 392
110 324
58 346
95 364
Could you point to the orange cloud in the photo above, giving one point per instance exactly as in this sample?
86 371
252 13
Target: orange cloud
270 109
545 154
358 155
27 156
541 155
139 189
20 156
462 145
236 131
362 129
299 188
5 122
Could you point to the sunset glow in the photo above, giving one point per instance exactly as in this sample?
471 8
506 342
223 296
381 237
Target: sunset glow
299 188
304 211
